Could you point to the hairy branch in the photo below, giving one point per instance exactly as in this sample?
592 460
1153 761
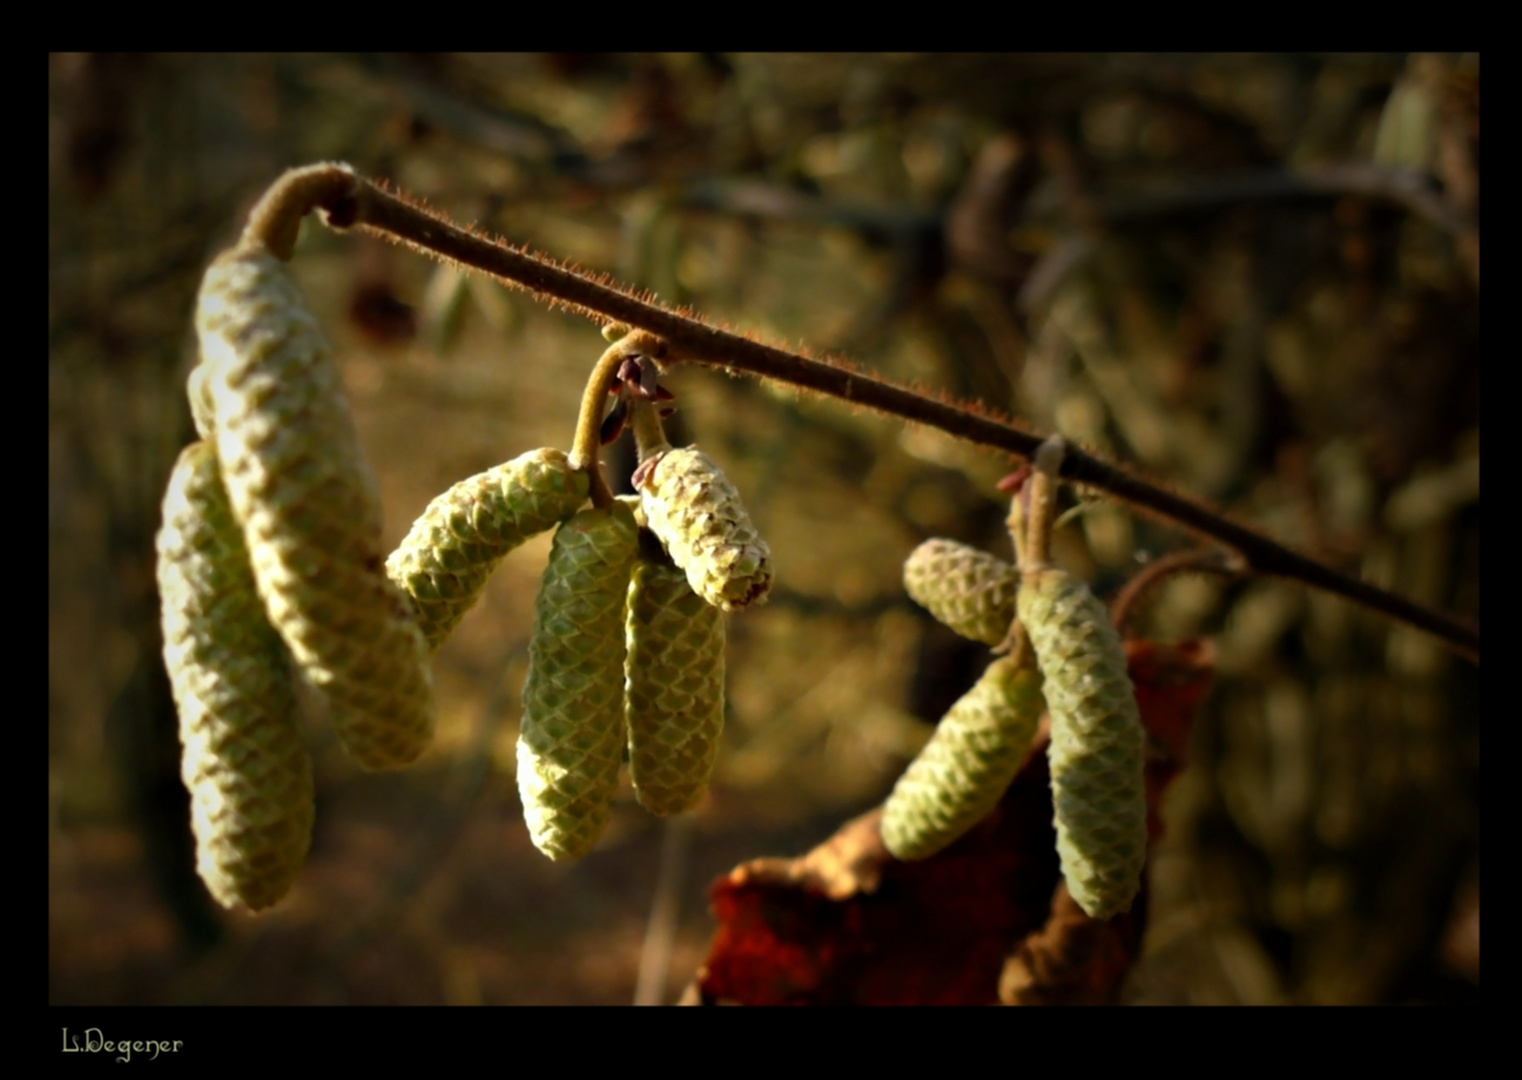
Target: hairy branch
690 339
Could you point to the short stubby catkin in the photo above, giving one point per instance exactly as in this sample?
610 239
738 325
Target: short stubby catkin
572 739
247 767
451 551
697 513
310 512
968 590
968 763
673 687
1097 750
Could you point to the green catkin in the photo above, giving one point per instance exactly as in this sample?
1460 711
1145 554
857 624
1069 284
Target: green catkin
968 763
310 513
572 739
968 590
452 549
673 687
247 767
697 513
1098 786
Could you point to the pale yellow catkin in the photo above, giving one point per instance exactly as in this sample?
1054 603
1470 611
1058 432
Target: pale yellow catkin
961 773
1098 783
673 687
572 739
307 503
449 554
698 515
247 767
968 590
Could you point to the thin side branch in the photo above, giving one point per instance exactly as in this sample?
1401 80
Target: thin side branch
691 339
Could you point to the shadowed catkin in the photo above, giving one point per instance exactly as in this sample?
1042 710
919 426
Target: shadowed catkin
1098 787
299 486
572 739
245 763
968 763
452 549
698 515
968 590
673 687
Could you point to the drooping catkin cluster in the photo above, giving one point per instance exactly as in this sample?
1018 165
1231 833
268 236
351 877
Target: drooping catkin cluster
968 763
673 687
245 763
1098 785
628 651
572 737
445 560
697 513
968 590
308 507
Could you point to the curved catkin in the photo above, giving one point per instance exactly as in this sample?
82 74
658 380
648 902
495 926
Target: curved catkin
572 739
248 770
968 763
968 590
673 687
1098 786
697 513
299 485
452 549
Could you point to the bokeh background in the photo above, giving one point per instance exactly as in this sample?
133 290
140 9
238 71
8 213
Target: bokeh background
1254 277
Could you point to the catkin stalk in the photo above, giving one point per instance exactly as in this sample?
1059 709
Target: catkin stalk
247 767
310 513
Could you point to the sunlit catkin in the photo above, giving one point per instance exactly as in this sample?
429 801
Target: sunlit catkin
673 688
968 590
1098 787
245 763
299 486
572 738
697 513
968 763
451 551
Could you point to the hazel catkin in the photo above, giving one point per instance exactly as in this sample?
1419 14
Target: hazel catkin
307 503
247 767
968 590
673 687
572 738
1098 786
445 560
964 769
697 513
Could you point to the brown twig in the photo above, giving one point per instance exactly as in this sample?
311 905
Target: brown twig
691 339
1193 561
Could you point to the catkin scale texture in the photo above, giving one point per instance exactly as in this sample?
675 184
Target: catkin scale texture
673 687
450 552
247 767
697 513
968 590
572 739
310 513
964 769
1098 785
